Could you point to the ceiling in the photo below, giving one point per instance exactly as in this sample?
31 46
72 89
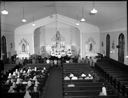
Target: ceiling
108 11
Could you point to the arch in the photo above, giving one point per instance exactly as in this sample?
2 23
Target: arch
37 34
4 48
121 46
108 45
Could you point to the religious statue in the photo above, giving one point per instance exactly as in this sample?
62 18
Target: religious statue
58 38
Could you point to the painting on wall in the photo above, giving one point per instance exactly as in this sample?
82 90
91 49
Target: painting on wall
90 47
23 49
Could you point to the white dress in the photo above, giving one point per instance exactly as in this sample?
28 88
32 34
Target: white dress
27 95
104 91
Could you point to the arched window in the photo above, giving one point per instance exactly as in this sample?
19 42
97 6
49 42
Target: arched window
108 45
4 49
121 48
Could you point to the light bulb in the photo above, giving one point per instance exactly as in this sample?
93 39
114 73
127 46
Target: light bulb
4 12
24 20
94 11
82 20
33 24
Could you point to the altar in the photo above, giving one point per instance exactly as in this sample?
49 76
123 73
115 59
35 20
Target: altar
58 47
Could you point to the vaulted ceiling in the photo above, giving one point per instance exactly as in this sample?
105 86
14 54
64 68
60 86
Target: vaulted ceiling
108 11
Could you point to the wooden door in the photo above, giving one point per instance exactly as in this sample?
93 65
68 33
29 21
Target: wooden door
108 45
4 49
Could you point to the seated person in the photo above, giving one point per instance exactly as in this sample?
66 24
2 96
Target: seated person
67 61
12 88
9 76
14 74
83 75
55 62
71 85
16 71
21 70
36 86
89 76
71 75
34 78
8 82
74 78
47 61
29 86
27 95
35 69
66 78
44 68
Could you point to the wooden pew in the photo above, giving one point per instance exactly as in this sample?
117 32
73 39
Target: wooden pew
110 96
86 84
19 95
86 93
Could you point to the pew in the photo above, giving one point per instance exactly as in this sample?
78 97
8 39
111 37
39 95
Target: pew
110 96
115 73
86 93
19 95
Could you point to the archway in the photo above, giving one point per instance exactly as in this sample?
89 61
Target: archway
121 46
4 48
108 45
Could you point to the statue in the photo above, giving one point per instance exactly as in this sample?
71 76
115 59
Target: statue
58 38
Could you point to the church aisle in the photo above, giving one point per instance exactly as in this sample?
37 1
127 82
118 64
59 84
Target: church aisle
54 84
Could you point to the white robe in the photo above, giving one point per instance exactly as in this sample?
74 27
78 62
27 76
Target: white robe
27 95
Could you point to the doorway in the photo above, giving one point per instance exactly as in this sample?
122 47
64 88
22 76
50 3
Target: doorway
4 49
108 45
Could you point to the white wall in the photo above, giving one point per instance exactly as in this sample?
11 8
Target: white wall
114 30
44 35
66 27
89 31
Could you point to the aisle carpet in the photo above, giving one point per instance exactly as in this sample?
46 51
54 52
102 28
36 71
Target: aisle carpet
53 87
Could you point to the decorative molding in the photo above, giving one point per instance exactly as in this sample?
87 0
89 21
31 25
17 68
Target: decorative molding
24 46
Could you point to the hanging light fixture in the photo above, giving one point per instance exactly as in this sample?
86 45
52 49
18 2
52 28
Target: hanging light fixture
33 24
93 11
23 19
4 11
82 19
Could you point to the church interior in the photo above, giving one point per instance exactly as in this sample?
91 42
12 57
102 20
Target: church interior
64 49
